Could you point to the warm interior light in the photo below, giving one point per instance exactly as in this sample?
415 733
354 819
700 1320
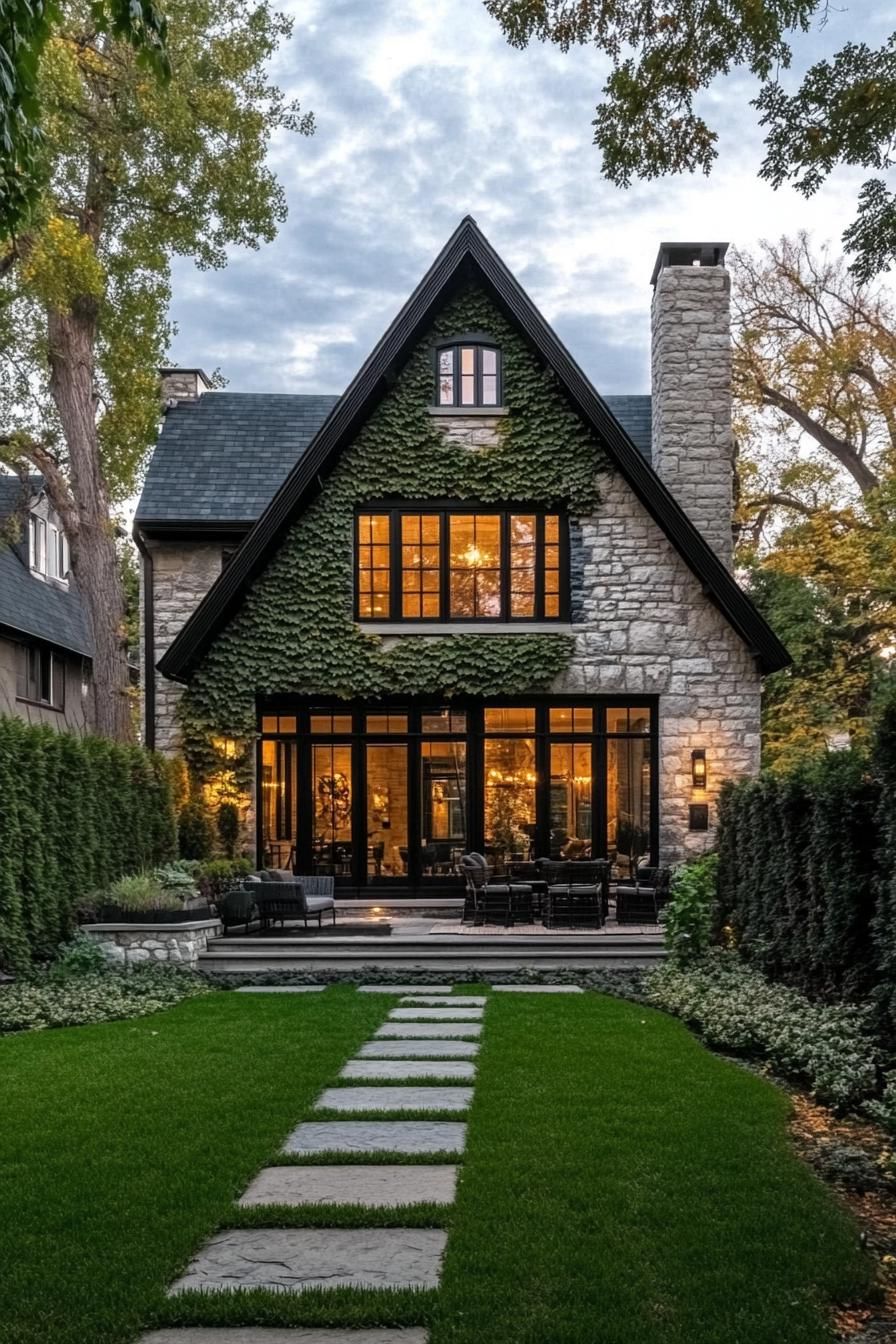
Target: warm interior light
698 768
473 557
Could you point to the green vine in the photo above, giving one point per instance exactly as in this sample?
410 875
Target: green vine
295 631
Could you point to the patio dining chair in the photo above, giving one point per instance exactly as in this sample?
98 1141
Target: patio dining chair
489 901
577 893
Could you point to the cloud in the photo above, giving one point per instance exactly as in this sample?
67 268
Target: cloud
425 114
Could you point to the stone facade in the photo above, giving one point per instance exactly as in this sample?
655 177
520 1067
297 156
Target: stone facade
130 944
693 444
182 573
473 431
74 718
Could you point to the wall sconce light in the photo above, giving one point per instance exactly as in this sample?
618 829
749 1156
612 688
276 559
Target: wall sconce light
698 768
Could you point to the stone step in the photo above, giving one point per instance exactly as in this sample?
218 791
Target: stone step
267 1334
429 1030
493 956
395 1069
394 1099
436 1015
379 1187
414 1049
281 989
294 1259
445 1000
404 989
377 1136
538 989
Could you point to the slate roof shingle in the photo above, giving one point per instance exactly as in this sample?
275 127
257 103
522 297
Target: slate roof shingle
222 458
29 605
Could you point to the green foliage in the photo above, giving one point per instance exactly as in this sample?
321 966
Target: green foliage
829 1047
91 996
177 878
218 876
142 891
81 955
689 915
295 631
664 53
195 830
805 885
76 813
228 823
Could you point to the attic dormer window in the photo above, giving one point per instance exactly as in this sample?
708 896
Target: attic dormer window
469 374
48 553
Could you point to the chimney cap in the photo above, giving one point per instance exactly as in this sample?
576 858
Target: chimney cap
688 254
176 368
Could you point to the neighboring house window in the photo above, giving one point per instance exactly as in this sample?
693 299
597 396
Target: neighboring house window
461 564
48 553
40 676
469 374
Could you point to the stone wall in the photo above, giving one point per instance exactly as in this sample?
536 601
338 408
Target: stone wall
473 431
183 572
693 444
75 718
646 627
130 944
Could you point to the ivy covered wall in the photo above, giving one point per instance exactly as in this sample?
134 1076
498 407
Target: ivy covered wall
295 631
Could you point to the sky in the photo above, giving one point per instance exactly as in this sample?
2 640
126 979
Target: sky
425 114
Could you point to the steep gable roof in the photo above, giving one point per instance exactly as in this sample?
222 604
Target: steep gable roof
223 457
467 254
30 606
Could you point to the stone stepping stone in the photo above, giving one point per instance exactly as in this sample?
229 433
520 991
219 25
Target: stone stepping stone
377 1136
442 1000
293 1259
430 1030
266 1334
375 1187
408 1068
404 989
281 989
436 1014
394 1099
538 989
413 1049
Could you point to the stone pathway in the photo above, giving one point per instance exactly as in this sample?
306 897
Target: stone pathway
429 1034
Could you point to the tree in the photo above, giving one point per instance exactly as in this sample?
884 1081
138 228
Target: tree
664 52
25 26
815 382
138 171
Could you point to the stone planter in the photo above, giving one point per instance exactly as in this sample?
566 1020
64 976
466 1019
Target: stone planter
177 942
116 914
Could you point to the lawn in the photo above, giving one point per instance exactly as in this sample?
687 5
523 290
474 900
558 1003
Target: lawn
620 1183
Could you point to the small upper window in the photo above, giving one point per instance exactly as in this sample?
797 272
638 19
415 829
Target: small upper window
48 553
469 375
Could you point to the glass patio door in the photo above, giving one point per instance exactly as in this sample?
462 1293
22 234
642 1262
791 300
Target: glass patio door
387 819
331 791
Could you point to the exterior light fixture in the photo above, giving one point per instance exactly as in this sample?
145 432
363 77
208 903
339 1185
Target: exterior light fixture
698 768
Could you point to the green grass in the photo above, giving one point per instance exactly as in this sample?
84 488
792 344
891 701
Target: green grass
620 1184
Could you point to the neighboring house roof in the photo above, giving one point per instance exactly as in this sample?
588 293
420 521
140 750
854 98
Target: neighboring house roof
223 457
34 607
634 415
466 253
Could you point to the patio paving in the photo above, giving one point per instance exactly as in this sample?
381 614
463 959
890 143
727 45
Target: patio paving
295 1259
414 1049
391 1069
377 1136
394 1099
381 1187
429 1029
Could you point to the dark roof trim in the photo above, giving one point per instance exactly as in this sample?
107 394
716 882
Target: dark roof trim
466 244
15 635
209 529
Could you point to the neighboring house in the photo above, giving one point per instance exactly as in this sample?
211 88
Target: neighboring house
45 645
469 604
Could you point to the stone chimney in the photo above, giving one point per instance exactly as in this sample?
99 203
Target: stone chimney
693 443
182 385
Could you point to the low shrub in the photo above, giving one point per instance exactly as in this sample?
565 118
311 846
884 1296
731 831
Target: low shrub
216 877
142 891
195 830
178 879
81 955
883 1110
84 999
228 822
690 910
827 1047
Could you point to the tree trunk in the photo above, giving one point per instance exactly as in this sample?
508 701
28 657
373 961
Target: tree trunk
85 515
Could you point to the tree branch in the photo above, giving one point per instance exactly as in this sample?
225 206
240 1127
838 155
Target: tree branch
839 448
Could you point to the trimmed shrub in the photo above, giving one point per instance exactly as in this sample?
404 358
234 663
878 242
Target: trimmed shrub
195 831
228 828
75 813
218 876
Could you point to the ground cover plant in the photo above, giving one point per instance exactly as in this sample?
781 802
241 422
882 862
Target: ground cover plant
619 1181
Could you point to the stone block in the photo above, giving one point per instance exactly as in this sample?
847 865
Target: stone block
435 1014
430 1030
394 1099
413 1049
408 1068
383 1187
377 1136
267 1334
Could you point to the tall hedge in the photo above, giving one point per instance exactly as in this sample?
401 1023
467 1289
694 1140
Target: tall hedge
75 813
807 873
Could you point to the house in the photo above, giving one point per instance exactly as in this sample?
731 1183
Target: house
45 643
468 604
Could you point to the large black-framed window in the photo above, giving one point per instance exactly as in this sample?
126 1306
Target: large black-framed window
468 373
391 793
461 562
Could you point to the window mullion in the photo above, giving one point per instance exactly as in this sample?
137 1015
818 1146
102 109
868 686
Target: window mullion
539 567
396 597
